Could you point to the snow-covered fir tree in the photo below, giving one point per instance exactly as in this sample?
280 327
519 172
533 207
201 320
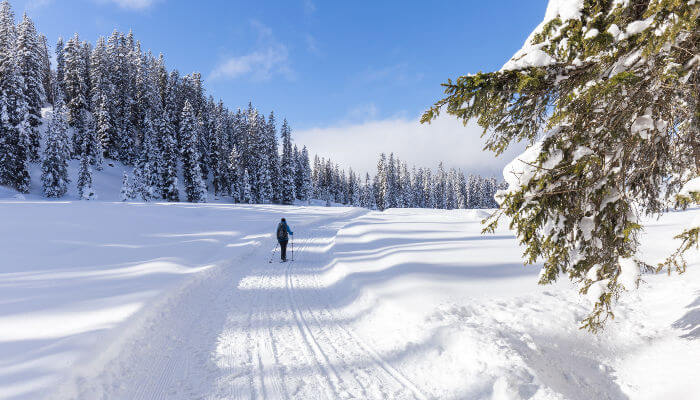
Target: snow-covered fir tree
219 154
440 187
167 163
195 187
85 190
122 144
315 176
47 79
451 190
236 173
127 190
205 123
101 93
305 168
54 165
60 63
287 185
298 170
86 50
174 101
262 179
354 189
273 163
15 140
146 174
367 196
29 60
380 182
462 191
406 194
389 184
75 90
246 191
428 199
417 184
103 126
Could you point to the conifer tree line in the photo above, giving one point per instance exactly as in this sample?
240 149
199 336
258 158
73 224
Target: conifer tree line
394 186
112 100
23 58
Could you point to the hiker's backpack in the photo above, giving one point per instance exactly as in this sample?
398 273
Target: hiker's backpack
282 232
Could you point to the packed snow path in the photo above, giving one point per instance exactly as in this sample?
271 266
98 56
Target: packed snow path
273 332
291 344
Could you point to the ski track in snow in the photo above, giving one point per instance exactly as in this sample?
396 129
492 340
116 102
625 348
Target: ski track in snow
375 379
219 340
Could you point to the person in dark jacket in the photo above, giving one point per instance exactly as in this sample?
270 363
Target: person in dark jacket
283 233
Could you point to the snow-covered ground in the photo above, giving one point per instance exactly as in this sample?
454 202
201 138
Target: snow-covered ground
102 300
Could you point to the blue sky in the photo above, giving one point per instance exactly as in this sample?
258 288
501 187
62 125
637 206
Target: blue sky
330 67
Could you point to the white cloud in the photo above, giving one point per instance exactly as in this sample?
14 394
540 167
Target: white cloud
264 31
36 4
309 6
446 139
363 112
312 44
260 65
271 58
397 74
133 4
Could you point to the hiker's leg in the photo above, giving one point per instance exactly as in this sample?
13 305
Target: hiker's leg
283 246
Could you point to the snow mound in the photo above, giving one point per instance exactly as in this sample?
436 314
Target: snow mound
691 186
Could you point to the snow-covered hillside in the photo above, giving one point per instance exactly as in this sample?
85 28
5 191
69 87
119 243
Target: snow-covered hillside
107 183
178 301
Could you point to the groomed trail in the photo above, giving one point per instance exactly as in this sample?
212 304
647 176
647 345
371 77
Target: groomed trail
266 331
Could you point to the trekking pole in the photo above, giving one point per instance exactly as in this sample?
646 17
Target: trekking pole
273 253
292 247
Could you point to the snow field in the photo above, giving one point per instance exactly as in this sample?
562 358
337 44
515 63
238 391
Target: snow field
460 314
84 282
178 301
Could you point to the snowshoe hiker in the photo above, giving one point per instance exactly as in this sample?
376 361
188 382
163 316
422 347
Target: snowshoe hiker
283 233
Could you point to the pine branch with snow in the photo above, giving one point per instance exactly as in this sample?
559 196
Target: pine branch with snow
614 86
